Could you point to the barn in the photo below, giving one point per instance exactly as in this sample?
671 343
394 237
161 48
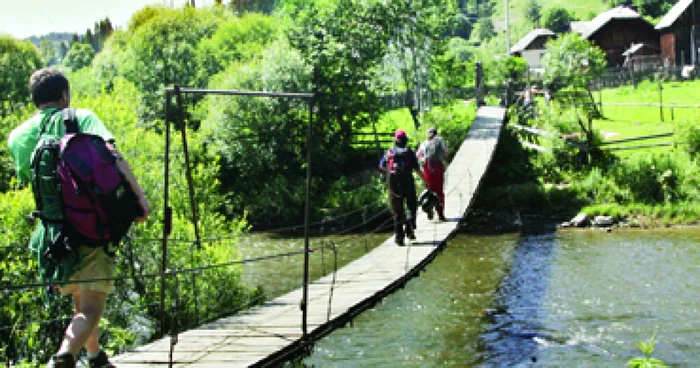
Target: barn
532 46
616 30
680 33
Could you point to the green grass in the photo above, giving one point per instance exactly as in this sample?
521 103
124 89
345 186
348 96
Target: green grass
621 122
440 116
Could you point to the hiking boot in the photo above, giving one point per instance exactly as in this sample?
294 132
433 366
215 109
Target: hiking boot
430 214
441 217
65 360
100 361
399 242
411 236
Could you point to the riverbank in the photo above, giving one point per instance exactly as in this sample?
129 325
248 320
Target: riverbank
483 222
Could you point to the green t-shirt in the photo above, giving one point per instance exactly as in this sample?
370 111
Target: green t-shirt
24 138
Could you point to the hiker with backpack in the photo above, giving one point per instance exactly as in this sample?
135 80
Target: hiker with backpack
432 153
75 244
399 162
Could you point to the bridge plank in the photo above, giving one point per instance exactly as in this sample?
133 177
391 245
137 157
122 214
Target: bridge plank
251 337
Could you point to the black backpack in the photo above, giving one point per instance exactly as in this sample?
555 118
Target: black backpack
399 168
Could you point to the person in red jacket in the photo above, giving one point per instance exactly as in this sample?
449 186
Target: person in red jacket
432 153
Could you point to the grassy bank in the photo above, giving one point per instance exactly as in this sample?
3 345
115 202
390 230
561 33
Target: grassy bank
644 186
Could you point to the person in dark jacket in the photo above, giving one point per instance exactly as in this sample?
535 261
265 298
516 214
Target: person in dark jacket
399 162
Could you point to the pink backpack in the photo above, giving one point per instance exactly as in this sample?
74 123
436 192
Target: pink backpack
98 205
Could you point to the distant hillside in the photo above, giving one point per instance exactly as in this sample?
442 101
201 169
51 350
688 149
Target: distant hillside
583 10
54 37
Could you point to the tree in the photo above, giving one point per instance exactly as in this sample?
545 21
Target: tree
344 42
533 12
63 49
162 50
417 39
249 6
79 56
571 61
18 60
461 26
239 39
557 19
48 52
653 8
484 29
266 132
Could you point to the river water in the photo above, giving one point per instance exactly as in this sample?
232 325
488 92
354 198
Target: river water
578 298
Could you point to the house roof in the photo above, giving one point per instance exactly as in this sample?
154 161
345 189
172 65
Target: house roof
673 14
634 48
530 38
578 26
620 12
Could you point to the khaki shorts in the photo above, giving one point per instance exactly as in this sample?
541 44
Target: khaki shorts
94 264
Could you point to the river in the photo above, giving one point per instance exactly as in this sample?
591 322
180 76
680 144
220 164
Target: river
577 298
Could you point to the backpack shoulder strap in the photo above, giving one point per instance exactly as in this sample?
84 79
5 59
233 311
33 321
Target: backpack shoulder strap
70 121
46 121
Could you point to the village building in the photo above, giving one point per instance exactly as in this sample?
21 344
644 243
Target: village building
616 31
532 46
640 57
680 34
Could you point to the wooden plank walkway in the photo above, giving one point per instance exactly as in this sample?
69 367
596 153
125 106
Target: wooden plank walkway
259 336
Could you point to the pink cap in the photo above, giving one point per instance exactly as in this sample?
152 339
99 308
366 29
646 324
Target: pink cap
399 134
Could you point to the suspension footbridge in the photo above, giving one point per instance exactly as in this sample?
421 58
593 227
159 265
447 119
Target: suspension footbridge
281 329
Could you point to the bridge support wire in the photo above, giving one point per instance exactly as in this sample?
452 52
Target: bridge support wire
178 91
334 248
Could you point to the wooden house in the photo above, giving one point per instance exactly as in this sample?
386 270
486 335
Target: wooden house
616 30
642 57
680 33
532 46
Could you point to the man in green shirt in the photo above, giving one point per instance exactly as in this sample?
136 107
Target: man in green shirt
50 91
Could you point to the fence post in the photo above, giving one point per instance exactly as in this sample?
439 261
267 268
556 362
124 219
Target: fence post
479 78
600 99
661 102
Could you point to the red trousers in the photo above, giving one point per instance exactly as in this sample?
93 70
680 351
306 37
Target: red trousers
435 179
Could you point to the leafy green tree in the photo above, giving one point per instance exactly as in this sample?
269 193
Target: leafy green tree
417 39
533 12
239 39
145 15
79 56
262 137
48 52
502 69
484 29
18 60
557 19
162 50
249 6
109 63
454 68
461 26
344 42
654 8
572 61
62 51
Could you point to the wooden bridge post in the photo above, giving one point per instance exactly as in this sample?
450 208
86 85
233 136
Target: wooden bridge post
479 82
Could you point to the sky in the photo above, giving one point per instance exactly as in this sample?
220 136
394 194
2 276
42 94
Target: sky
24 18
